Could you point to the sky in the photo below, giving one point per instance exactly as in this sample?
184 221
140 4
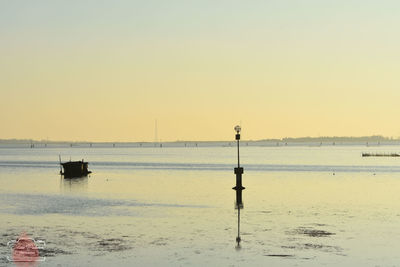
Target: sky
107 70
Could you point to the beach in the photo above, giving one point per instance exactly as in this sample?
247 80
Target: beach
174 206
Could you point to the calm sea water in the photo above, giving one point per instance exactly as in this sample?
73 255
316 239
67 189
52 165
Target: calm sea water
174 206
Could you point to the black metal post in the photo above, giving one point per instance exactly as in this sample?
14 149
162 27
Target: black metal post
238 149
238 188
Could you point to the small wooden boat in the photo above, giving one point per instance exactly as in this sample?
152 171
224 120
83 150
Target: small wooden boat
74 169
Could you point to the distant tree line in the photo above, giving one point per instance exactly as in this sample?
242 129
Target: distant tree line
373 138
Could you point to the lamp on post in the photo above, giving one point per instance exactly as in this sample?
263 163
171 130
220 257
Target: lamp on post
238 188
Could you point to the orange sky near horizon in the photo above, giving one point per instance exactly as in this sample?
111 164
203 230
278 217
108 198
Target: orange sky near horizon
105 71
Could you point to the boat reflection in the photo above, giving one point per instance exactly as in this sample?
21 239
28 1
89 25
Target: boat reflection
79 184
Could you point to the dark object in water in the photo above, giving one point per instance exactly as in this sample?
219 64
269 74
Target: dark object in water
279 255
75 169
238 188
380 155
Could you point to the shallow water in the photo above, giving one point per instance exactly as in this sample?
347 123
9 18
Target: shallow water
174 206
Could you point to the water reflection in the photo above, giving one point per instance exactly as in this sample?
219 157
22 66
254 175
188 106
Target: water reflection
74 184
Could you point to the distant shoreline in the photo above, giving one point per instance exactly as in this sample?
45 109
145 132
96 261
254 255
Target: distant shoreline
374 139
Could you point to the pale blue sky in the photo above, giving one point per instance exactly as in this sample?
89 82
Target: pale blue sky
296 68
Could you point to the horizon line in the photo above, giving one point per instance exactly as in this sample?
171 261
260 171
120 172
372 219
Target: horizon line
283 139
